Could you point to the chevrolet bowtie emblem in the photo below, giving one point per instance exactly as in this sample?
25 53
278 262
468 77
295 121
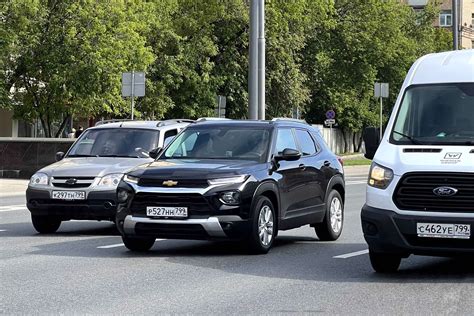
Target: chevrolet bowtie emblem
170 183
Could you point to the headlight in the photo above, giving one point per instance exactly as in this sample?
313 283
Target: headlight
131 179
110 180
230 197
380 177
122 195
39 179
230 180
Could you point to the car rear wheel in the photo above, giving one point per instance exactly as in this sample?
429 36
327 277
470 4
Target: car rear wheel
45 224
331 227
384 263
263 228
138 244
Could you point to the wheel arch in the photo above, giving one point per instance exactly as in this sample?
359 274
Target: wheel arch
336 183
268 189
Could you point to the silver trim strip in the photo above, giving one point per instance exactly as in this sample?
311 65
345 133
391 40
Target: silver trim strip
435 214
211 224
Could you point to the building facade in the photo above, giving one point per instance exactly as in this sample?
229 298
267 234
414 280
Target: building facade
445 19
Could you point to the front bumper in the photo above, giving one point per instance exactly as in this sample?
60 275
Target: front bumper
99 205
388 232
211 228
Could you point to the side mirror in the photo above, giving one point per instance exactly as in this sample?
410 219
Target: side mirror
371 137
154 153
59 155
288 154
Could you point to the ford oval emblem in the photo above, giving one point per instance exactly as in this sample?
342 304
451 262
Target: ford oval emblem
445 191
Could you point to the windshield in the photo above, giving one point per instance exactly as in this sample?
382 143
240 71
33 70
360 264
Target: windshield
220 143
115 142
441 114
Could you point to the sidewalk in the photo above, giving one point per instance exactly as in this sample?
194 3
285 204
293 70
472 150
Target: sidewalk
353 171
12 187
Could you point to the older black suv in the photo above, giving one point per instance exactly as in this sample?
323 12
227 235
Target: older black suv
243 180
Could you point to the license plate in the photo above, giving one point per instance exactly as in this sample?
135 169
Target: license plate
163 211
460 231
68 195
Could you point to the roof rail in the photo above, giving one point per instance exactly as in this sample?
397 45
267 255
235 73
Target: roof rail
173 121
111 121
289 120
204 119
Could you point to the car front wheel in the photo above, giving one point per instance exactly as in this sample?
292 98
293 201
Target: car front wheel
138 244
45 224
331 226
263 230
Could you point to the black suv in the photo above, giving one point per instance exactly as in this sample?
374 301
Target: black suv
239 180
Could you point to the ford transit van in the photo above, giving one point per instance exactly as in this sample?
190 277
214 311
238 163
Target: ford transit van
420 192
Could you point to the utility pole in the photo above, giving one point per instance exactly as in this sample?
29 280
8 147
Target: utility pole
253 61
132 97
455 24
261 59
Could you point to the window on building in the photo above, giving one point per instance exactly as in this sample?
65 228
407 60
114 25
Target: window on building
445 18
472 20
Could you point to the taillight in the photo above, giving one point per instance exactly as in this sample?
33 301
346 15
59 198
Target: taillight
340 160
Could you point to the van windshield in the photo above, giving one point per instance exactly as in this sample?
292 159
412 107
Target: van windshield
441 114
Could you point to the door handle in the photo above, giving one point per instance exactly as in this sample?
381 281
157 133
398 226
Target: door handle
327 163
302 166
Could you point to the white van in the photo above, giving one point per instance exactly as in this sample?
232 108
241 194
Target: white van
420 192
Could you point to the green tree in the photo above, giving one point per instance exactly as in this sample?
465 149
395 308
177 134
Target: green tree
64 58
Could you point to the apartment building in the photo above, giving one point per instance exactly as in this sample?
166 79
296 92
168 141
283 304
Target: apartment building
466 18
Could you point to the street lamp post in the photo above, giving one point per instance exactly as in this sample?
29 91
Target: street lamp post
256 80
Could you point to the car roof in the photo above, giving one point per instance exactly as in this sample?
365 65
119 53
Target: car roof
448 67
156 125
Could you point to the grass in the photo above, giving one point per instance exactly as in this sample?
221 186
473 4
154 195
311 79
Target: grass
357 162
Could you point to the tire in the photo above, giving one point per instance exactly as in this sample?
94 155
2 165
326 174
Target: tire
331 227
384 263
45 224
138 244
263 227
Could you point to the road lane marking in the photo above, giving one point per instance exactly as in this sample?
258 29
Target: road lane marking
352 254
10 208
3 230
111 246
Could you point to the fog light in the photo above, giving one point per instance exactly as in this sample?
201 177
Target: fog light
122 196
230 197
370 229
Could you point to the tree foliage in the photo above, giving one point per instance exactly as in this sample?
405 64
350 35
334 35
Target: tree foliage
65 57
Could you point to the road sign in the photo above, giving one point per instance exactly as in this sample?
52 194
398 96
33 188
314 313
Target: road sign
330 122
381 90
133 84
330 115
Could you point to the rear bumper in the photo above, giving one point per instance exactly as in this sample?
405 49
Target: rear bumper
100 205
211 228
388 232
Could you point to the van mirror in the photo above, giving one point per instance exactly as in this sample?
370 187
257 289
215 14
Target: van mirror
154 153
371 138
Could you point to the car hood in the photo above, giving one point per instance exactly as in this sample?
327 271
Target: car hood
197 168
92 166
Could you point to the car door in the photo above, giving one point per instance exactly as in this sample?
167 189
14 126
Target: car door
289 176
312 176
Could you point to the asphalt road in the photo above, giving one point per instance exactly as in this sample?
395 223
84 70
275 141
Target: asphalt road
84 268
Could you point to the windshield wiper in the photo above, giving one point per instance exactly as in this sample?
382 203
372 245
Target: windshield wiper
411 138
119 156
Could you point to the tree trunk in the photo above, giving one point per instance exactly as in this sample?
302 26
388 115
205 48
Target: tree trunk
45 127
359 145
343 132
62 126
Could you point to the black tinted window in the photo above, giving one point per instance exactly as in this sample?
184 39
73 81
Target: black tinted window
285 140
306 142
169 135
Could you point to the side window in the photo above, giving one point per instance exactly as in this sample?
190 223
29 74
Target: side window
285 140
169 135
307 144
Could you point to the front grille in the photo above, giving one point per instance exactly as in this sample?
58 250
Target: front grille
72 182
181 183
196 203
415 192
